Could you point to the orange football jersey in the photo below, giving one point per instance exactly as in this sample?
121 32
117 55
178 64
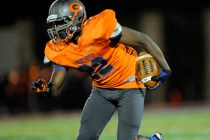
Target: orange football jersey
110 66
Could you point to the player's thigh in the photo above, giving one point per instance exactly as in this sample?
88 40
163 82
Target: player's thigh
131 108
97 111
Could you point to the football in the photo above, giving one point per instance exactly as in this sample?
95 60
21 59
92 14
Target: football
146 67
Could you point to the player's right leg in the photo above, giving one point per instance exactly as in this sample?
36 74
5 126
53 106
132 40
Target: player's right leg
96 114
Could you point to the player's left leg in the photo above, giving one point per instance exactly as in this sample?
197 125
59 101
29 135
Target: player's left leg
95 115
130 111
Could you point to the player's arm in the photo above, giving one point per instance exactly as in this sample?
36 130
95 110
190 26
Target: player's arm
57 79
135 38
140 40
51 88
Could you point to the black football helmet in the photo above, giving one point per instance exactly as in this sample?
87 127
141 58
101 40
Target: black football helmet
65 19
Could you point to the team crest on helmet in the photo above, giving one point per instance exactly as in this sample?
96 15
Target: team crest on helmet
75 7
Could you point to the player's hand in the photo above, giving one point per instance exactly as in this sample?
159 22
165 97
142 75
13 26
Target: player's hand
161 78
40 87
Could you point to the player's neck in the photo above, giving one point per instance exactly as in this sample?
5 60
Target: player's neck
76 37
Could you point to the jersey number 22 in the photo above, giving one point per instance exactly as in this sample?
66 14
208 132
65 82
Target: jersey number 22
97 69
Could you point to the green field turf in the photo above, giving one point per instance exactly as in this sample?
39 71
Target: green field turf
188 123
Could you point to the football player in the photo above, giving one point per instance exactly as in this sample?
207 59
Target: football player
105 50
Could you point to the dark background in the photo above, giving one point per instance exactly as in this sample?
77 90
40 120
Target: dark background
184 39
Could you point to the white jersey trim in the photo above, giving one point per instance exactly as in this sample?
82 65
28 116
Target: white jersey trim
117 31
46 60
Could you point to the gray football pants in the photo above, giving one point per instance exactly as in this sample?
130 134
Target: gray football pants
100 107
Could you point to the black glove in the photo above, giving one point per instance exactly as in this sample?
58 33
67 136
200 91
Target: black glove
41 87
164 74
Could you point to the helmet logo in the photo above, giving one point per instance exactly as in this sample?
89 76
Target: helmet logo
75 7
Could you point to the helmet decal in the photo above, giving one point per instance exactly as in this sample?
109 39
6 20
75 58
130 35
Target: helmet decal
75 7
